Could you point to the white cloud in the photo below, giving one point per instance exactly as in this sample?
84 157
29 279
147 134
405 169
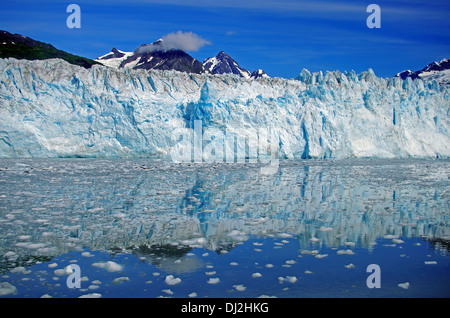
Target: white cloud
185 41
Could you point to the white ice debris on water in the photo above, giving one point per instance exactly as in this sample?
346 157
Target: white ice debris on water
240 287
6 289
110 266
290 279
213 280
92 295
345 252
171 280
119 280
404 285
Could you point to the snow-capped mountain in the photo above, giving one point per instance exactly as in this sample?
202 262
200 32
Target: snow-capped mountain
259 73
153 56
52 108
439 71
114 58
222 63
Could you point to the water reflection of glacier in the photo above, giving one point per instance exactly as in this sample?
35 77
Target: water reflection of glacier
49 207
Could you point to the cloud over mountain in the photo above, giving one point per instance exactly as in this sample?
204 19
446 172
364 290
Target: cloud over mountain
185 41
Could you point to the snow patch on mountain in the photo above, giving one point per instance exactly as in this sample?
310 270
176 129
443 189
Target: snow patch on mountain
113 58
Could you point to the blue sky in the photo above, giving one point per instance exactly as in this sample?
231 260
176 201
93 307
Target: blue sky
279 36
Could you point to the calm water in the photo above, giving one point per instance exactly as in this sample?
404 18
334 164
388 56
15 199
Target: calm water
142 228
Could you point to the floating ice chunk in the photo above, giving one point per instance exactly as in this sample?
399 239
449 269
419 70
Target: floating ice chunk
269 265
6 288
20 269
92 295
214 280
321 255
350 243
63 271
240 287
46 296
111 266
284 235
256 275
95 286
52 265
308 272
167 291
11 256
30 245
290 262
314 239
345 252
210 273
430 262
349 266
234 264
171 280
397 241
196 242
390 237
118 280
404 285
237 235
290 279
193 294
86 254
313 252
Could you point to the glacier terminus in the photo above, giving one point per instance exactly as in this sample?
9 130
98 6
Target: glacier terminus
51 109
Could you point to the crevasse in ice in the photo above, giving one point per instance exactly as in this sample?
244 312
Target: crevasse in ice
54 109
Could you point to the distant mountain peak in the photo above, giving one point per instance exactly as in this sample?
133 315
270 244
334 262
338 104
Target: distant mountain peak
222 63
259 73
153 56
439 71
115 53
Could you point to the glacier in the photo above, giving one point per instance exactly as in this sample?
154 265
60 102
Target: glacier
52 109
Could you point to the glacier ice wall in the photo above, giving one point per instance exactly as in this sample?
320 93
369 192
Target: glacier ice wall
51 108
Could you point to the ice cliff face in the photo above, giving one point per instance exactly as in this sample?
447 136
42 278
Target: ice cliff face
54 109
